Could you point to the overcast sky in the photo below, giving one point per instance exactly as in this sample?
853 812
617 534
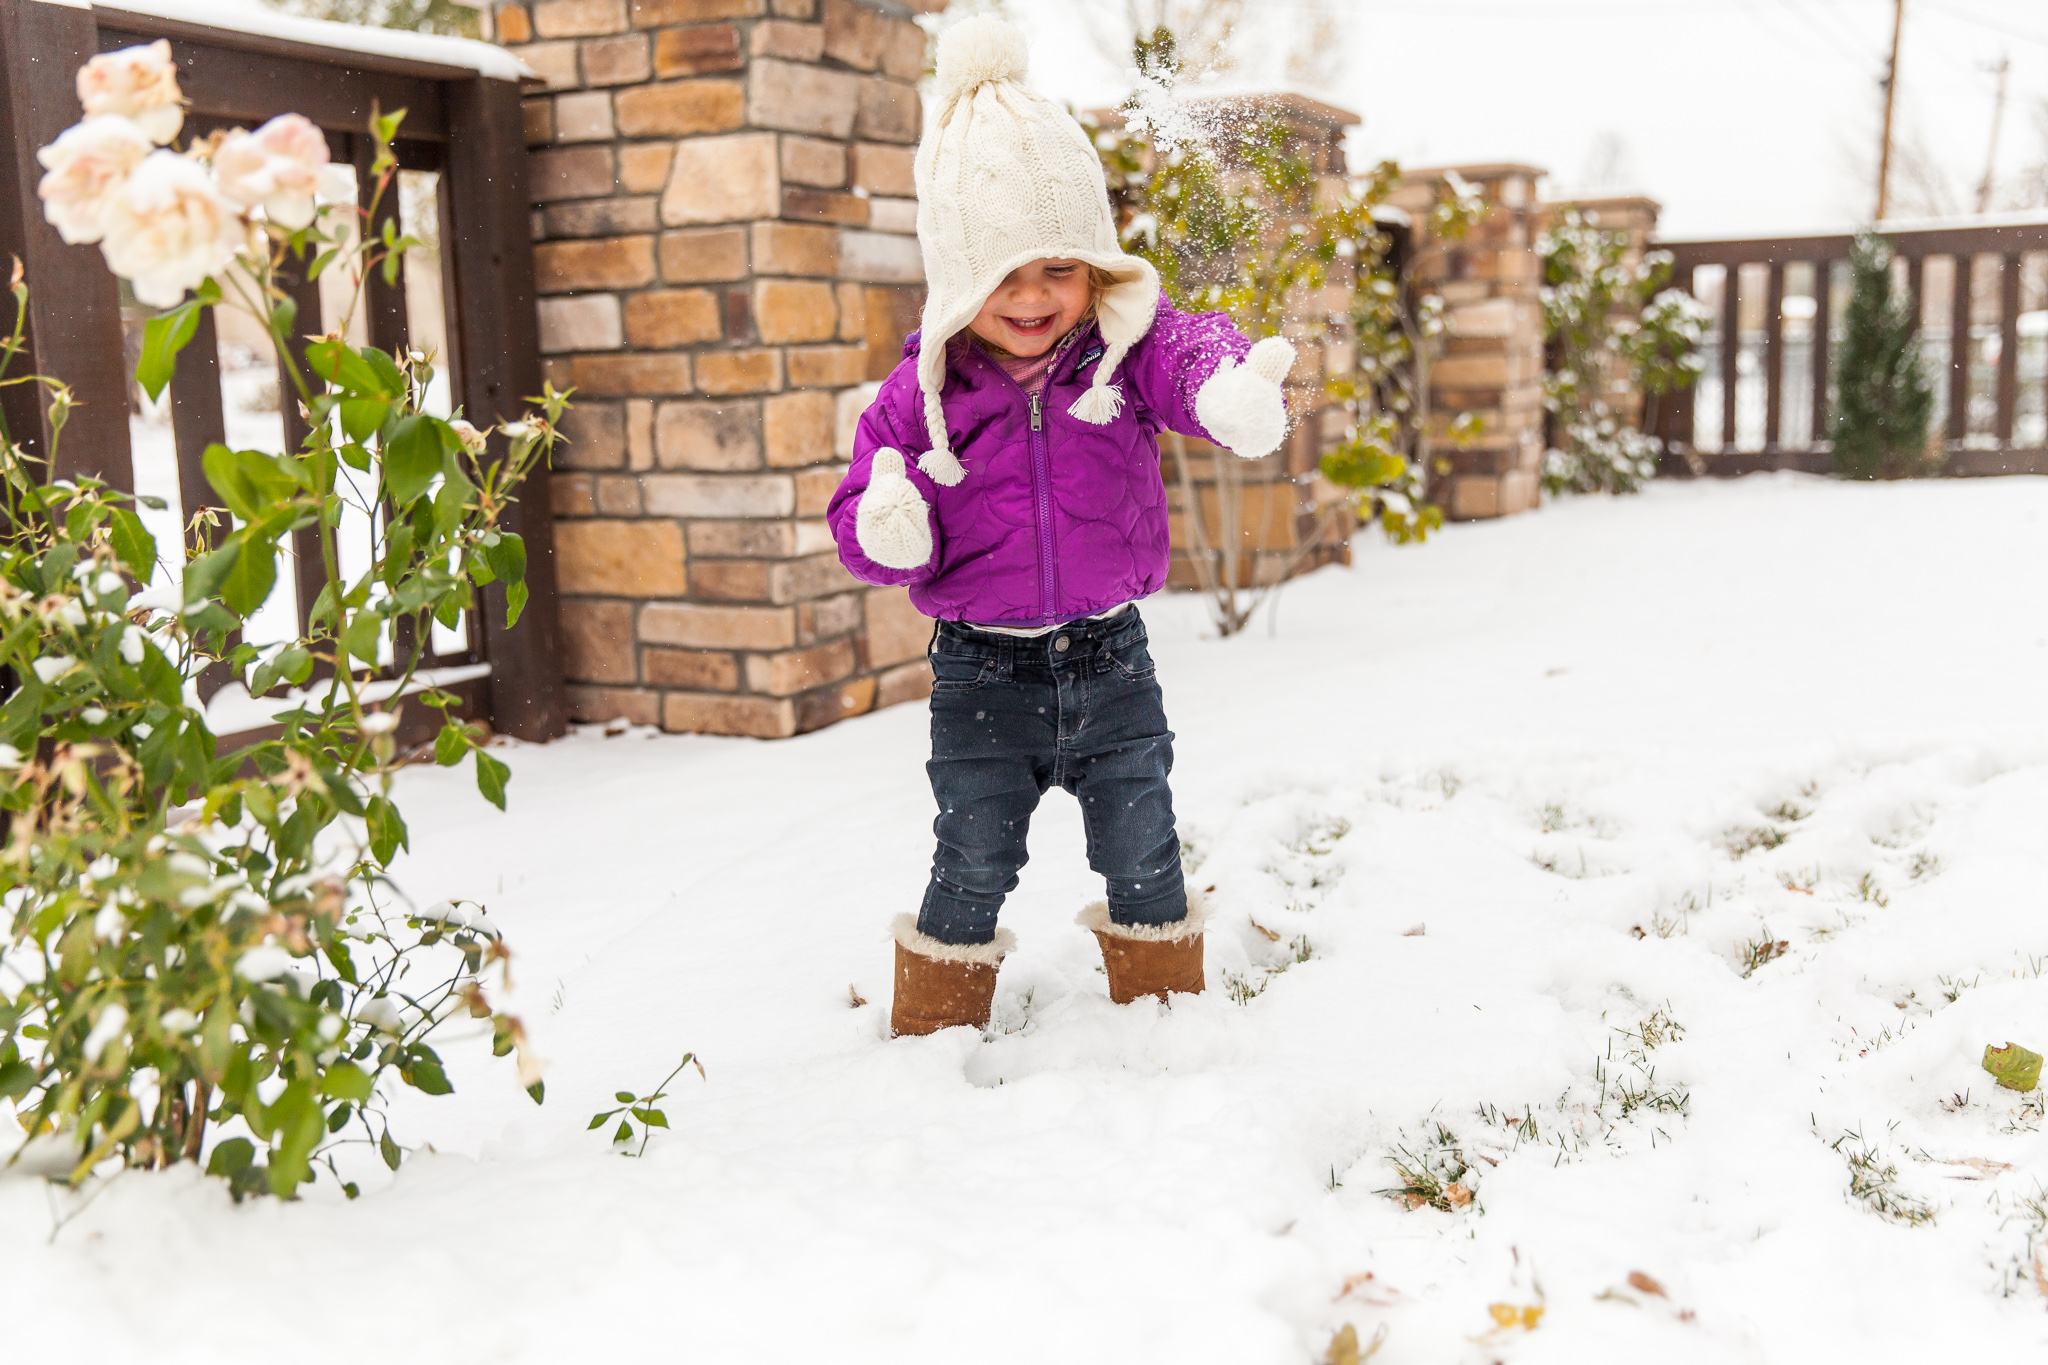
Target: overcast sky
1739 116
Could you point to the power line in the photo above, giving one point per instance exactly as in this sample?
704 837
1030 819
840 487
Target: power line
1996 26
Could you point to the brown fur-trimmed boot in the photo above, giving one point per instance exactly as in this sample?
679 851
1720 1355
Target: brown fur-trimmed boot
939 985
1149 959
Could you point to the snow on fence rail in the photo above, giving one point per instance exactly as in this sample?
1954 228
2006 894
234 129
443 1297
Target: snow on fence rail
468 296
1980 295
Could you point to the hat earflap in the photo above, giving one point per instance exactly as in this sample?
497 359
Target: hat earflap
1124 313
939 464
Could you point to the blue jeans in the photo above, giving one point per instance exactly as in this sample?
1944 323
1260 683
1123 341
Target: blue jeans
1078 708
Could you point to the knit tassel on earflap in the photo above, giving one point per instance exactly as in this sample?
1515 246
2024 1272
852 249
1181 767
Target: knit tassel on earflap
939 464
1100 404
1104 400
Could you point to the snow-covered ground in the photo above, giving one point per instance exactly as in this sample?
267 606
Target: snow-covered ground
1510 796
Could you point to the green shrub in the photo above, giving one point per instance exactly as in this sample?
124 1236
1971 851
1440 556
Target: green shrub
1883 402
206 959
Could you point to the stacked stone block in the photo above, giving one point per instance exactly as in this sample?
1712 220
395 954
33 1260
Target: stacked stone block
1490 362
724 225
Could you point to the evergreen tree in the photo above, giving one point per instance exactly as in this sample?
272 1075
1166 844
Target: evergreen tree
1883 401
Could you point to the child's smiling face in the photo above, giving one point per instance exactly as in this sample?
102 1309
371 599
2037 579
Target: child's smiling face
1034 306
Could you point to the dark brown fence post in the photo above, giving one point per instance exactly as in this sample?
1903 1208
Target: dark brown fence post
2008 344
1959 302
74 305
1823 358
1774 356
496 355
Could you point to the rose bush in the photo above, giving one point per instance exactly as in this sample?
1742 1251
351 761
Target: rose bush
206 957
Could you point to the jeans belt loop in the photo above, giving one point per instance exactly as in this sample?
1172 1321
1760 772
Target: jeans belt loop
1006 659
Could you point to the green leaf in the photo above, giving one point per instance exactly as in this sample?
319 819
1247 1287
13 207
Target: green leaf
230 1156
491 776
166 334
625 1133
412 457
203 576
388 1149
653 1118
388 373
17 1078
342 368
599 1120
624 1096
538 1091
294 664
430 1079
346 1081
133 543
507 558
2013 1067
362 635
361 417
450 745
247 584
387 830
515 603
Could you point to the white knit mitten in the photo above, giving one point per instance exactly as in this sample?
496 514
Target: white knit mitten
893 525
1241 405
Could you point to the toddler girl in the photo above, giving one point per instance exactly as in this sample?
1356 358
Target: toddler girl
1008 473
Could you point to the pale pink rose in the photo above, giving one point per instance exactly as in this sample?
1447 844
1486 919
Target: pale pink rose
140 83
169 227
84 167
283 167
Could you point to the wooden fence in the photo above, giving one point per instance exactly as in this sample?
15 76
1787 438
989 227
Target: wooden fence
1980 298
462 143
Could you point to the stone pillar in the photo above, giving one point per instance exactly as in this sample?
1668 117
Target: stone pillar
1490 360
724 227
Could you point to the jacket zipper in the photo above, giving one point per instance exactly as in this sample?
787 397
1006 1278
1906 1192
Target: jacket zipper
1041 474
1041 481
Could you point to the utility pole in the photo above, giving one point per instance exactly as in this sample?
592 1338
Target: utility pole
2004 70
1891 94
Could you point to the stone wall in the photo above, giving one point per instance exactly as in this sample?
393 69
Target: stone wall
1491 359
724 224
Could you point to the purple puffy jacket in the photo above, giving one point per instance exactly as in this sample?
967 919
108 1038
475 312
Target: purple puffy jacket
1056 519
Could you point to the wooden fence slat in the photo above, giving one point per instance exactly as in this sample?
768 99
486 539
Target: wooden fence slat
1959 348
1774 357
306 561
1731 346
74 327
2008 346
1823 313
498 366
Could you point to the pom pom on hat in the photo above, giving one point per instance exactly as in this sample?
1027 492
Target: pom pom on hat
975 51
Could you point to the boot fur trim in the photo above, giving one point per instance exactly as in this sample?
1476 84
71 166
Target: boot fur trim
1096 919
904 931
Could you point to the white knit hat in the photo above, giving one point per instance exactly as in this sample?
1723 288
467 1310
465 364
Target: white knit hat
1006 177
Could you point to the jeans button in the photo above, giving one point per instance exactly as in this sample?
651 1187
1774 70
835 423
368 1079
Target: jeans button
1060 645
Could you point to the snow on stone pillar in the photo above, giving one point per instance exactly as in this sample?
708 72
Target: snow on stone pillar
1491 361
724 229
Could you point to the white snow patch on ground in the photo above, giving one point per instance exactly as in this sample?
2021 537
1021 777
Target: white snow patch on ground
1510 796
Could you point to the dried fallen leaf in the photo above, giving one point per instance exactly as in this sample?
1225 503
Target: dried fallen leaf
854 997
1638 1280
1271 936
1507 1315
1458 1194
